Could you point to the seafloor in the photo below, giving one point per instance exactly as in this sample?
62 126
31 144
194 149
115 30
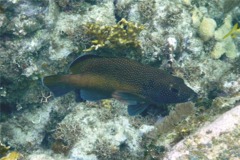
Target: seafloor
196 40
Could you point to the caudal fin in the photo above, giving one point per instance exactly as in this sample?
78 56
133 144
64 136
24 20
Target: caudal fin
56 84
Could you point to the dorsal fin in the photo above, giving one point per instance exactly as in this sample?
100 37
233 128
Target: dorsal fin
83 58
77 61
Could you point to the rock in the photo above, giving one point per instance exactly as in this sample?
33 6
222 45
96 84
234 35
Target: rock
219 137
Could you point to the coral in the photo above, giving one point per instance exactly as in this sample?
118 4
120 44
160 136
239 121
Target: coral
25 130
3 22
104 150
60 147
115 135
106 103
67 133
122 34
224 47
207 28
41 37
187 2
213 8
223 30
196 17
225 43
180 112
121 8
26 18
73 6
229 5
147 9
42 156
185 120
172 15
3 149
169 130
12 156
22 37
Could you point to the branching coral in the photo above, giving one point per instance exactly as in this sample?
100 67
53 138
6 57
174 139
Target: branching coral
104 150
65 137
67 133
124 33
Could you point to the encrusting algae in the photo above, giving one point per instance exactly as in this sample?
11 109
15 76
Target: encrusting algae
122 34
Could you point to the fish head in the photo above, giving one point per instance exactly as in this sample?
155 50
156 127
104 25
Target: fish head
174 90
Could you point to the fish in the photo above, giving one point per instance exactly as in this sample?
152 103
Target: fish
97 77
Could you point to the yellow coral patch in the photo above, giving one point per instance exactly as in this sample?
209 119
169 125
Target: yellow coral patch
122 34
106 103
12 156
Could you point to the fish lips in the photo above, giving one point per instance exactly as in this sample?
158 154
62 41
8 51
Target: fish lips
193 97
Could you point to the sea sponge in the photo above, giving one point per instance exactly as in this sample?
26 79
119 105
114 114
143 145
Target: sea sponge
187 2
224 29
218 50
224 45
207 28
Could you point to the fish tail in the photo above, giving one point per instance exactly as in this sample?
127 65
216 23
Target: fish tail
57 84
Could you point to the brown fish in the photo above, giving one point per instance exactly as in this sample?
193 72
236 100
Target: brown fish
139 85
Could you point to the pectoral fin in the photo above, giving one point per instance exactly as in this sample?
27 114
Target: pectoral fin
134 110
128 98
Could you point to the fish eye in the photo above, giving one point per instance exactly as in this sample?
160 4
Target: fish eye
174 90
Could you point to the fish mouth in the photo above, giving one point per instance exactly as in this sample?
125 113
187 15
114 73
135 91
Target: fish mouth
194 97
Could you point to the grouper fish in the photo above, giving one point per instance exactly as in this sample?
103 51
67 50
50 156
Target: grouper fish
137 85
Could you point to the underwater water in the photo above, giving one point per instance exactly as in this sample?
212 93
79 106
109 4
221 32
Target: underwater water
119 79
